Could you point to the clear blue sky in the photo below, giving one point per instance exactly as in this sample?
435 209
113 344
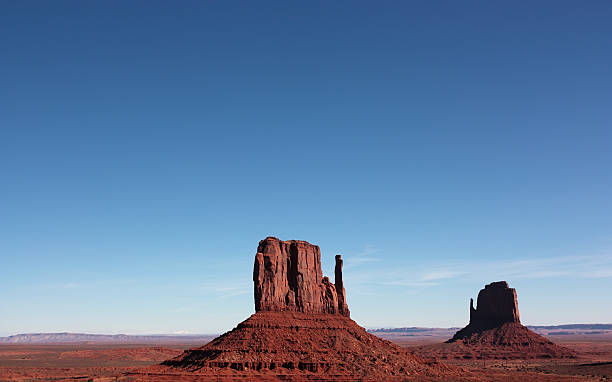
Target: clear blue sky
146 147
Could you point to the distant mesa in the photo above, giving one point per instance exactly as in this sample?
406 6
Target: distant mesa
495 328
80 338
301 329
496 305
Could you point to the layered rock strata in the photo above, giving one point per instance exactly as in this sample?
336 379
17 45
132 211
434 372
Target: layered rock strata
287 343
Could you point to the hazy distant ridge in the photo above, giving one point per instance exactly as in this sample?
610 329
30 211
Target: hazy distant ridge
412 329
545 330
29 338
48 338
575 326
415 329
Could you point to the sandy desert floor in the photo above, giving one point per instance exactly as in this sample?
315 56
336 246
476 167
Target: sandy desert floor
85 362
593 361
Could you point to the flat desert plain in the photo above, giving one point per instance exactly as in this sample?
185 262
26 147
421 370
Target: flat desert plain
593 356
126 362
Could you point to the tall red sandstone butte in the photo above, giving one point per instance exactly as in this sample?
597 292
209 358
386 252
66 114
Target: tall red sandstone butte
287 276
301 330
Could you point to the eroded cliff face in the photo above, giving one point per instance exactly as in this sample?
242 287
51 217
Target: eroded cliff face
287 276
496 305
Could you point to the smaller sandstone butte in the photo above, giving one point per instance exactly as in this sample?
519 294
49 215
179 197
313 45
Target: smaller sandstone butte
496 305
287 276
495 329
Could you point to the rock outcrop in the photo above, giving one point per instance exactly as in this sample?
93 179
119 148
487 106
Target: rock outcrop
495 330
287 276
300 331
496 305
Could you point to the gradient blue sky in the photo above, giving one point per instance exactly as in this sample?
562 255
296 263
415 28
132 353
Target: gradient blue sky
146 147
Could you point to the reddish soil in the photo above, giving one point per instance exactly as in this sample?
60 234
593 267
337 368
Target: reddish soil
592 359
55 362
77 361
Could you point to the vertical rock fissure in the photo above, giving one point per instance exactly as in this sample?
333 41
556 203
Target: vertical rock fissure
292 276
